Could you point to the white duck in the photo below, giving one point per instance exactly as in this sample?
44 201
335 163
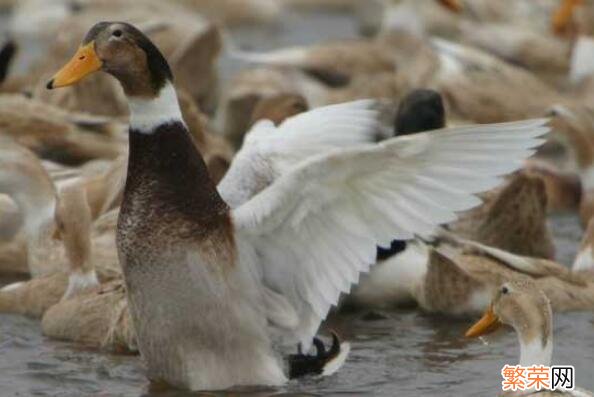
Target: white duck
213 291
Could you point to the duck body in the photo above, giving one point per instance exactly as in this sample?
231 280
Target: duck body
393 282
176 260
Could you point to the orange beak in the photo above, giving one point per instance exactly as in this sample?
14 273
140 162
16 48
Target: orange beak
83 63
452 5
486 325
563 15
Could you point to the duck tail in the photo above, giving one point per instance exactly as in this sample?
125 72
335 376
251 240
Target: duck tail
324 363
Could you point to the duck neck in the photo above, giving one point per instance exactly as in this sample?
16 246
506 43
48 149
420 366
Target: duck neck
165 170
37 202
148 113
536 346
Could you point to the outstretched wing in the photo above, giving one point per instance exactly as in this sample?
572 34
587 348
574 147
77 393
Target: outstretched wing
268 151
339 125
317 227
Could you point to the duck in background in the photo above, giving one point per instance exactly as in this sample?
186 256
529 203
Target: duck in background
7 53
78 304
278 108
562 20
390 65
250 86
399 266
77 274
584 260
55 134
98 319
480 87
572 147
462 276
233 265
420 110
520 304
545 55
13 249
88 313
513 218
563 188
24 179
237 12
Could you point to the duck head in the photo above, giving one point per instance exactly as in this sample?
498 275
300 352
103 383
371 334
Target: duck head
123 51
7 54
420 110
524 307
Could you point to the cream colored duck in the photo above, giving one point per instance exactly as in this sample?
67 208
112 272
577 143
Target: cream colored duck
98 319
396 63
573 128
24 179
547 56
72 304
514 218
278 108
563 188
462 70
275 264
461 278
26 182
335 63
237 12
77 274
521 304
87 313
54 133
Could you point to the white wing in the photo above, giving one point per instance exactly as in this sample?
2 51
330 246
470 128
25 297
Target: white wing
316 227
268 151
331 126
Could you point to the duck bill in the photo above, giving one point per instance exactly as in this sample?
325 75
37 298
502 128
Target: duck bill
563 15
486 325
452 5
83 63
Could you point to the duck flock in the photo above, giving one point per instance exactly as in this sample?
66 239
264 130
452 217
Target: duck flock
152 205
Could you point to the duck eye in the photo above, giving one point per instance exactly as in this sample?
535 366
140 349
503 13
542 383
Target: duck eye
504 290
117 33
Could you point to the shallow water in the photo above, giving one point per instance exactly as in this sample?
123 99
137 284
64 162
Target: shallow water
403 353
